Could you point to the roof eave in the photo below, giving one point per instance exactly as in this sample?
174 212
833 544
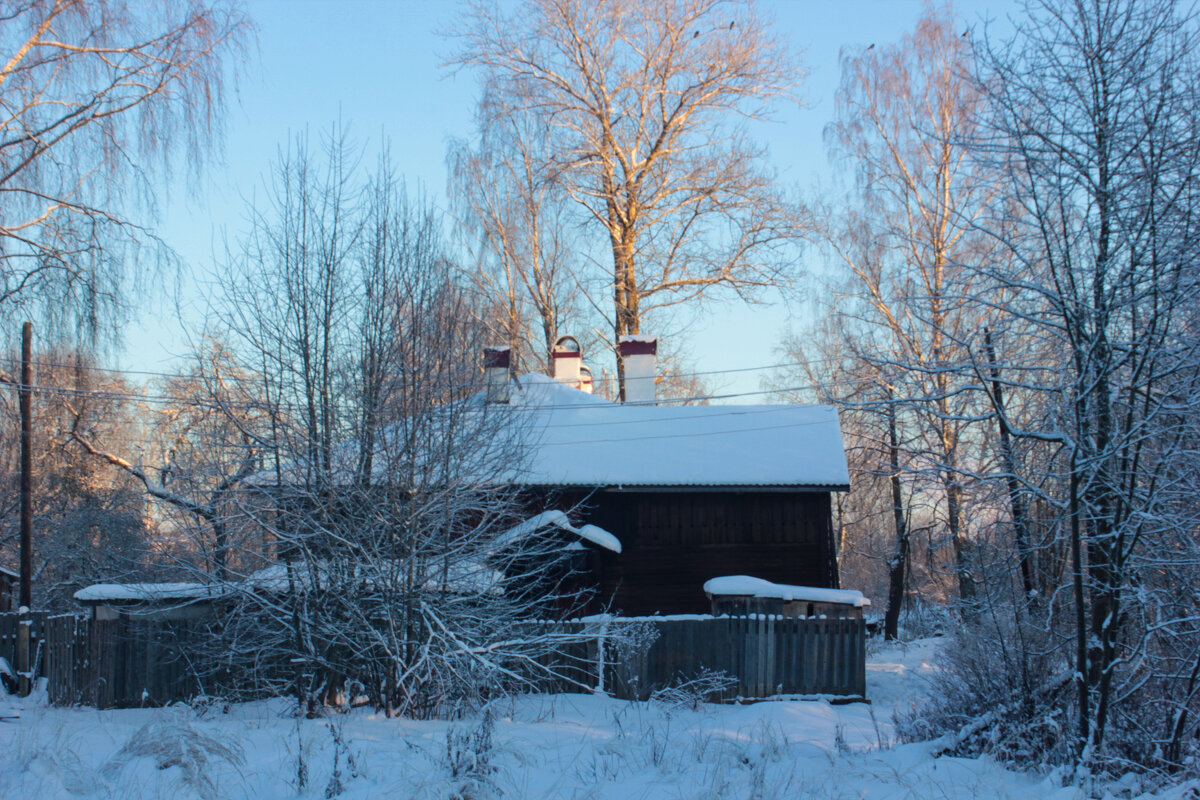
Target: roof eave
696 487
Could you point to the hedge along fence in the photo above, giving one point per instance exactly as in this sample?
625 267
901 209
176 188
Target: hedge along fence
130 662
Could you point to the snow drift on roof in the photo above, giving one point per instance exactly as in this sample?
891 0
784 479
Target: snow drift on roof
591 533
600 537
745 586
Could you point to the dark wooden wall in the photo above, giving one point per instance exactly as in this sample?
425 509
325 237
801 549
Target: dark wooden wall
674 541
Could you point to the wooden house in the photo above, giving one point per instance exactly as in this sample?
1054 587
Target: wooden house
690 492
658 499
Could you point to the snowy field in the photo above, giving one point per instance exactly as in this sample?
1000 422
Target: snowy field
557 746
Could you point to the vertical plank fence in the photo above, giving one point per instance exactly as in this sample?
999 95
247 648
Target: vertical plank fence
128 662
10 623
69 669
119 663
766 655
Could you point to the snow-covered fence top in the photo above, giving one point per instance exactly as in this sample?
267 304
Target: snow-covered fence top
147 592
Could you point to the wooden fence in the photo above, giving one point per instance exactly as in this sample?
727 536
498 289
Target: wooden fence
766 655
120 662
127 662
10 625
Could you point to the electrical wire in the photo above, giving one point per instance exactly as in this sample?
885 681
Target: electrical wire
595 380
103 394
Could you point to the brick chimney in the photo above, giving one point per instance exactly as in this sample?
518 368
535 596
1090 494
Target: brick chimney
568 359
639 354
496 367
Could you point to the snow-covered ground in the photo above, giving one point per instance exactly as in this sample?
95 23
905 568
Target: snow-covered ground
556 746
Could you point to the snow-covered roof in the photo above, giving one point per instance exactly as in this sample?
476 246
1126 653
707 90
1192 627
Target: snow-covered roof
464 575
745 586
578 439
572 438
145 592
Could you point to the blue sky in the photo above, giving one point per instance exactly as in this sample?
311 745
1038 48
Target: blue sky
377 66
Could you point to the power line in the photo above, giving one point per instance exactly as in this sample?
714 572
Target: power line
596 380
659 418
687 435
203 402
92 368
148 397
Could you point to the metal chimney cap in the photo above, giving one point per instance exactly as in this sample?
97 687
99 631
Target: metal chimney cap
563 347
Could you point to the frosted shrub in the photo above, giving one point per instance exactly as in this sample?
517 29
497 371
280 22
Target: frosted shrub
172 742
1002 689
469 760
690 692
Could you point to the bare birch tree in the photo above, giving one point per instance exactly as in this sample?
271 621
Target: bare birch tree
507 199
201 439
94 97
904 114
887 524
1090 109
92 523
645 102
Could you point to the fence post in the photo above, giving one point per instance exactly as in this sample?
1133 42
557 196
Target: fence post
24 622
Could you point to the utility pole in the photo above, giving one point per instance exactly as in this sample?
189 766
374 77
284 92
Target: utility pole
25 400
25 397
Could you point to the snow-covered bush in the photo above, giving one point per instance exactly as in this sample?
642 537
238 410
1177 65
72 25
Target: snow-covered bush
171 742
1007 688
1002 688
469 760
689 692
383 483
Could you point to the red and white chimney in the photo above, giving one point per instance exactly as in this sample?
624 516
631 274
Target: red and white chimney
568 358
585 380
639 354
496 367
